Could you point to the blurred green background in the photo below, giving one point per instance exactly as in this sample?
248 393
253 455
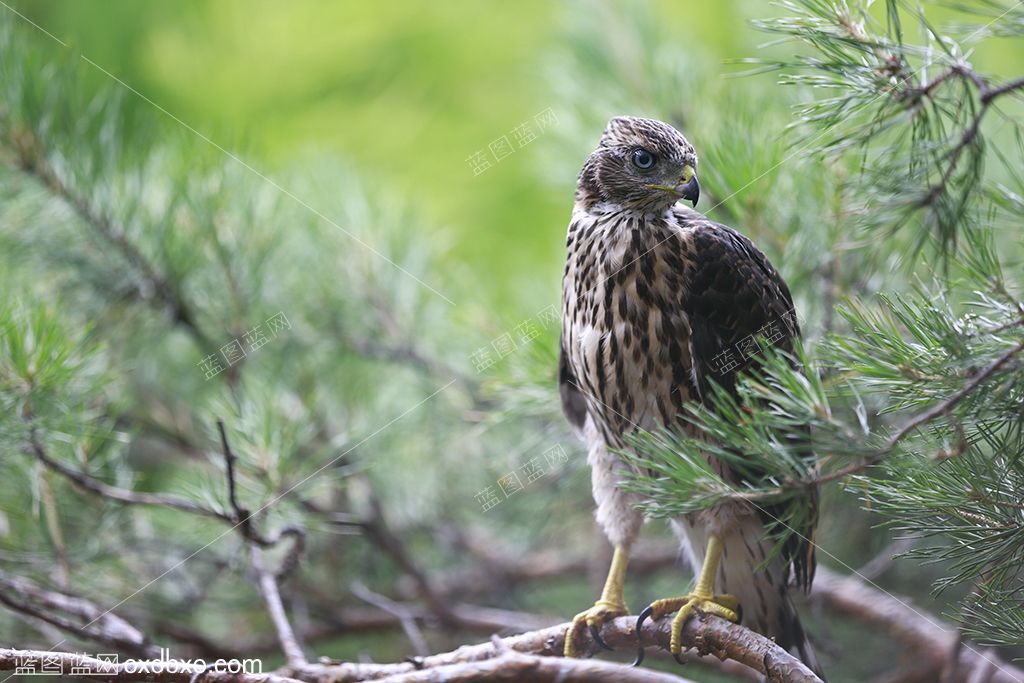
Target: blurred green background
408 91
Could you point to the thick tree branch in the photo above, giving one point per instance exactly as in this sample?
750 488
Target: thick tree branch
329 623
514 667
927 635
709 635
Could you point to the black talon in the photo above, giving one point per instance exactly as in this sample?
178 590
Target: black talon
595 633
639 624
679 660
739 614
642 617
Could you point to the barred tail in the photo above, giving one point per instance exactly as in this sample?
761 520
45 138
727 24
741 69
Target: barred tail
763 593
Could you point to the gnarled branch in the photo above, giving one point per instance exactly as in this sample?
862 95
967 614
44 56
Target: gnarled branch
932 639
708 635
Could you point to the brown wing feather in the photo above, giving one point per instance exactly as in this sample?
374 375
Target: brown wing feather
574 405
733 294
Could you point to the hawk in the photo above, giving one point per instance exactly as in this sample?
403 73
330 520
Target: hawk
653 293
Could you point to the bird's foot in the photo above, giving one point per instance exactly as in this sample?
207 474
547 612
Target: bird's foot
725 606
593 618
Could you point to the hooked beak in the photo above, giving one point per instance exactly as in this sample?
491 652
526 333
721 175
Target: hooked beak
689 190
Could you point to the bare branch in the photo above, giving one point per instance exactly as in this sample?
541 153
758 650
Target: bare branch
708 635
90 484
242 518
294 554
379 532
272 597
406 617
267 580
72 614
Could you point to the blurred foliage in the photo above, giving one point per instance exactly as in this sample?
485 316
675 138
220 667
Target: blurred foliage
407 92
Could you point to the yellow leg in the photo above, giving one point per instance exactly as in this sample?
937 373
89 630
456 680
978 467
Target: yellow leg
713 556
701 599
615 584
608 606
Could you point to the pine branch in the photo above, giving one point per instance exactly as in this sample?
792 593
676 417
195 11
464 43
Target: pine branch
931 132
986 96
729 433
932 413
31 159
90 484
988 93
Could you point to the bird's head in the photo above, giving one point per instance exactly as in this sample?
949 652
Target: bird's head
640 164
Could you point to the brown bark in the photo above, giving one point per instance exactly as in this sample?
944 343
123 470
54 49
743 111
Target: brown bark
927 636
514 667
708 635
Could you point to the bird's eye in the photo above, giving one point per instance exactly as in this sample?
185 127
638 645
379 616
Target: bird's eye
642 158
